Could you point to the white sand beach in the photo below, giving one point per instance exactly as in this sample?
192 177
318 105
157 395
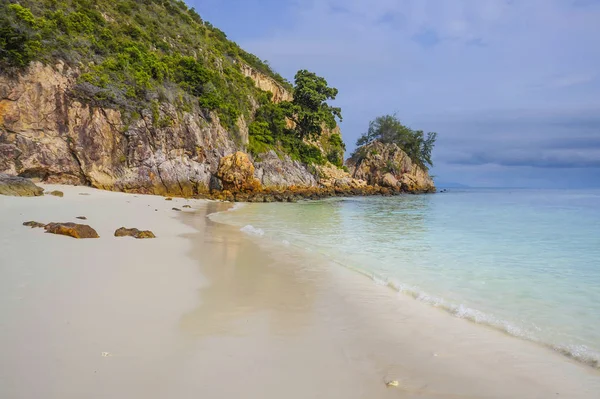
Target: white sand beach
206 311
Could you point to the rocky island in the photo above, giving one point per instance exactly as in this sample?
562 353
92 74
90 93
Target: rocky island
156 100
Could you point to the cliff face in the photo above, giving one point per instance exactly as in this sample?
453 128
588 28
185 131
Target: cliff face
45 133
388 166
266 83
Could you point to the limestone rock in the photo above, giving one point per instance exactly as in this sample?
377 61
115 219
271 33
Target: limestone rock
34 225
18 186
45 132
377 163
57 193
267 83
236 171
282 172
389 180
72 230
139 234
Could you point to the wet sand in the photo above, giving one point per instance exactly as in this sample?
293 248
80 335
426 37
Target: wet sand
293 325
207 311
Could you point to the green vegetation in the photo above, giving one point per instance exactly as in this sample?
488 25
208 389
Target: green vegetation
388 129
289 127
133 52
309 109
135 55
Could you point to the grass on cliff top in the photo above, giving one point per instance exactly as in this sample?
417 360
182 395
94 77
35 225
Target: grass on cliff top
133 52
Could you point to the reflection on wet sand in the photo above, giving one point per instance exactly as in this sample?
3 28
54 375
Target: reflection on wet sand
284 322
244 281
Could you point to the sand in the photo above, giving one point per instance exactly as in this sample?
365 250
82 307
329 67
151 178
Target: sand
205 311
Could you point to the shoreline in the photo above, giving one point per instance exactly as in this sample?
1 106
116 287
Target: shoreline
205 309
489 349
581 354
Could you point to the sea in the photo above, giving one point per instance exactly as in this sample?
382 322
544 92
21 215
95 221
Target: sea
524 261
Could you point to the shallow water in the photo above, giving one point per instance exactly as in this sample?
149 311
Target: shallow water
523 261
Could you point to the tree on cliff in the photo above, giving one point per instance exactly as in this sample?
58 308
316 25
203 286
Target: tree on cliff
309 113
309 109
388 129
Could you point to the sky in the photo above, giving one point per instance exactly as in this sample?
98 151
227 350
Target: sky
512 87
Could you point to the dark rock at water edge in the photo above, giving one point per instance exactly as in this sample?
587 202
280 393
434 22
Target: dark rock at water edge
18 186
72 230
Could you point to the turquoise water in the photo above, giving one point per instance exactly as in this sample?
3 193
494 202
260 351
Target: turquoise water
523 261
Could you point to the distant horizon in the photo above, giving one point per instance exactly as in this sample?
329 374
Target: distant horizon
462 186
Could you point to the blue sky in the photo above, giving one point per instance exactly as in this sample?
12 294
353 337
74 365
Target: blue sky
511 86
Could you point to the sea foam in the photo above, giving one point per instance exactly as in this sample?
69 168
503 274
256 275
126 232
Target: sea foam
253 231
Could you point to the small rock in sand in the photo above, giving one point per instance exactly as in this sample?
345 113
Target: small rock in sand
125 232
84 193
57 193
168 199
187 206
34 225
177 209
393 383
72 230
81 217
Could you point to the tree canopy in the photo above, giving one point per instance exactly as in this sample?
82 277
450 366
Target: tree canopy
309 109
309 114
389 129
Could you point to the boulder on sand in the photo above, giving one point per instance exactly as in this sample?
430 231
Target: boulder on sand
18 186
34 225
72 230
125 232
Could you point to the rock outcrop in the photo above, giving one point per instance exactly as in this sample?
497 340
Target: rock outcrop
388 166
18 186
267 83
281 172
72 230
236 173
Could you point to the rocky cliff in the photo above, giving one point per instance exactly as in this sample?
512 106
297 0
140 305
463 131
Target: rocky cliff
48 134
153 99
388 166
